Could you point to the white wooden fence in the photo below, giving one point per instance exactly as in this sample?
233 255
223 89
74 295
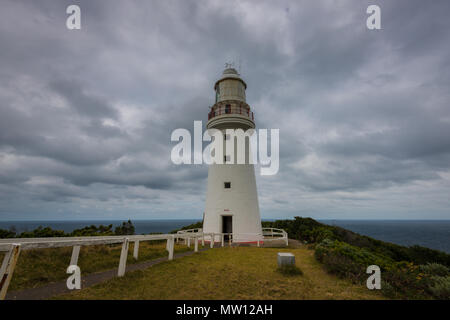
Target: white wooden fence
13 246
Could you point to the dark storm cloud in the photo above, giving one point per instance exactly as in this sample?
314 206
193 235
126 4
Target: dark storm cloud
86 116
83 103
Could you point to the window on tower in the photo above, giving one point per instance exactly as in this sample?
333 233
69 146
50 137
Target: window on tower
227 108
217 93
227 185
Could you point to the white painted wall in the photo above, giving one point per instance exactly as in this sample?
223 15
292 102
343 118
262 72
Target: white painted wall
241 200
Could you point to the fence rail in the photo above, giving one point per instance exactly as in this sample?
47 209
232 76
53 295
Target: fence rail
13 246
275 234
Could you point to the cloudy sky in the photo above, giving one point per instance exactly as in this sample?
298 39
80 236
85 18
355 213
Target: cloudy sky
86 115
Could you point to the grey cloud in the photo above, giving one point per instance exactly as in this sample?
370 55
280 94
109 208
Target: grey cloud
86 116
82 102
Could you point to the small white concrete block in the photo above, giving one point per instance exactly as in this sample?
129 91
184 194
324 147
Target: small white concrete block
285 258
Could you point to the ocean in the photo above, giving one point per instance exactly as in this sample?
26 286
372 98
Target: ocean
434 234
428 233
141 226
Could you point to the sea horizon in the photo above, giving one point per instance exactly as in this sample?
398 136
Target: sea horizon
262 219
430 233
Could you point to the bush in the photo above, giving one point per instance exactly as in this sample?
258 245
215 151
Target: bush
191 226
435 269
440 287
41 232
93 230
47 232
406 281
125 229
7 234
340 259
307 229
399 279
348 254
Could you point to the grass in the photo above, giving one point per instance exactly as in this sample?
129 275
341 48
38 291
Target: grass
289 270
38 267
229 273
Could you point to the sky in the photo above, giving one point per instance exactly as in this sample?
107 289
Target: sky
86 115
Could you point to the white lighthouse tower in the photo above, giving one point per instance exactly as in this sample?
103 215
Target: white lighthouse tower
232 199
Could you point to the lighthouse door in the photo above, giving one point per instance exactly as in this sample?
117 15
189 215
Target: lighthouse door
227 225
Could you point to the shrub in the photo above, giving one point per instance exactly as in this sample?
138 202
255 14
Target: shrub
7 233
348 254
406 281
191 226
307 229
93 230
435 269
399 279
440 287
101 230
125 229
339 260
41 232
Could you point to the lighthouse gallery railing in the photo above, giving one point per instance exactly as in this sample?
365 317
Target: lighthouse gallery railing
218 111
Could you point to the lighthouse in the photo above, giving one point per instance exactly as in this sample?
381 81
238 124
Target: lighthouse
232 198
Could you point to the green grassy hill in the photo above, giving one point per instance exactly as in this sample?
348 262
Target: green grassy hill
234 273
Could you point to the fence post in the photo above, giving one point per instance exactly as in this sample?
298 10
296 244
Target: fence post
196 244
123 258
229 239
7 268
75 254
170 245
258 243
211 245
189 242
203 240
136 249
223 238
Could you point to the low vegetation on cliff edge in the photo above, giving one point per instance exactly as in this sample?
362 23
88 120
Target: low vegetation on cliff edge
407 272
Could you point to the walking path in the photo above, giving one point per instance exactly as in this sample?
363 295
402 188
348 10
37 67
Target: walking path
57 288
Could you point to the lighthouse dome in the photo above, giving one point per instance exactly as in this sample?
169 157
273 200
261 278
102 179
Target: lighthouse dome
230 71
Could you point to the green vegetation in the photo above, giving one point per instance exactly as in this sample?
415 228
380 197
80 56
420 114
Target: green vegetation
334 269
38 267
101 230
290 270
407 272
236 273
125 228
191 226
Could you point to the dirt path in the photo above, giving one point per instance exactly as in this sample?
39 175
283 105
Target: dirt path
57 288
